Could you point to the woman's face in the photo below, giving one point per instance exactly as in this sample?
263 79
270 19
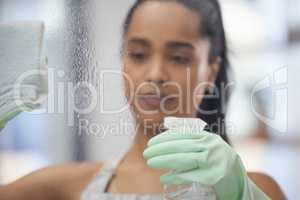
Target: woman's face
165 62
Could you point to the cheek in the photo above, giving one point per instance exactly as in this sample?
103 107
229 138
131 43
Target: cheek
202 72
129 79
199 83
192 83
132 78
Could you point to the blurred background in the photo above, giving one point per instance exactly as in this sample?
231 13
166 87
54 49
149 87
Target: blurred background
82 38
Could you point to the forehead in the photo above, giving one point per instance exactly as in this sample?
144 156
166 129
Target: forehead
164 21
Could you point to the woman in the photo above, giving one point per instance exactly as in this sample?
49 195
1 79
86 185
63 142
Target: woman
174 52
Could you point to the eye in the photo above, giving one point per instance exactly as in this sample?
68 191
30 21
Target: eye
181 59
137 56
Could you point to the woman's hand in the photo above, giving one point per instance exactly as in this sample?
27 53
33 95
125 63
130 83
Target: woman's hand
201 158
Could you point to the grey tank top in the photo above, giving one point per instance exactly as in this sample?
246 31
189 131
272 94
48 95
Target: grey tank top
96 189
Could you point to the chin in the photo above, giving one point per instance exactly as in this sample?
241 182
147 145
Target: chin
149 119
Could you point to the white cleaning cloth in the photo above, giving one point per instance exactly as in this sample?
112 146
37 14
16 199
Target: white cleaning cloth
20 54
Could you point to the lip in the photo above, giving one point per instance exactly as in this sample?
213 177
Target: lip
151 95
151 100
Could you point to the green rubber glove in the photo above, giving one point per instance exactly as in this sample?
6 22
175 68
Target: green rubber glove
6 117
30 97
203 158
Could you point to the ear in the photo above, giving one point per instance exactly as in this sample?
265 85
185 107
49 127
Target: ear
213 72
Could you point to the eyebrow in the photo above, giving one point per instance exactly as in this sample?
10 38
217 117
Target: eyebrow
170 44
177 45
139 41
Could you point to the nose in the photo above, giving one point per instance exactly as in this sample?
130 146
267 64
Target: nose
157 72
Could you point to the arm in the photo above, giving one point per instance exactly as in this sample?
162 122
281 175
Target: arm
268 185
59 182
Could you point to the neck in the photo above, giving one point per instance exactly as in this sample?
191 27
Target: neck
135 153
134 160
140 142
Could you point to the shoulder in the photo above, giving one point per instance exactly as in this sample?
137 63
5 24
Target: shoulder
268 185
56 182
